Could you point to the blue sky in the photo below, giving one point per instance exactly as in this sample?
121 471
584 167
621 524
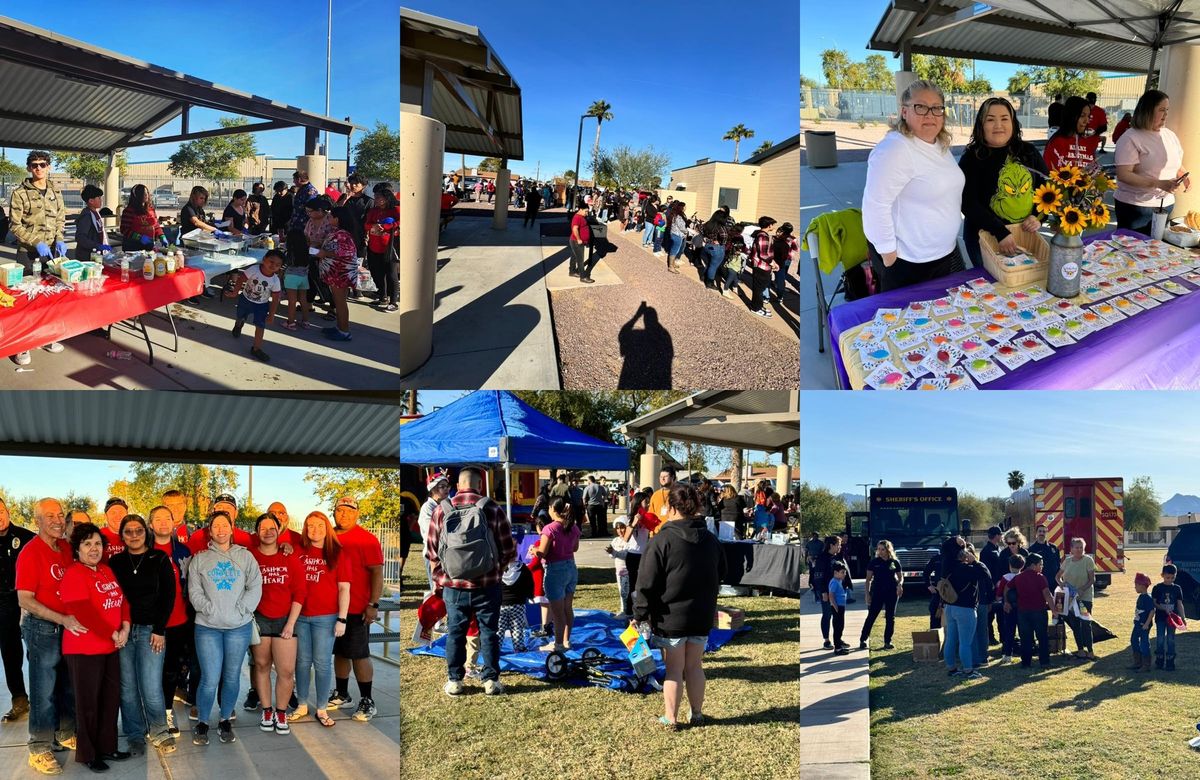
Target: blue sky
972 440
725 65
45 477
850 29
274 48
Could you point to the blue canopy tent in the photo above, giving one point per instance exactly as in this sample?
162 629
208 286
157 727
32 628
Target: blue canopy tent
496 427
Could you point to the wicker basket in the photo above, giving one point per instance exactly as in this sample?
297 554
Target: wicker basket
1031 244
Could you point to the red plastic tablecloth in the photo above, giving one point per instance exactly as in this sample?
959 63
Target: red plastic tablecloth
32 324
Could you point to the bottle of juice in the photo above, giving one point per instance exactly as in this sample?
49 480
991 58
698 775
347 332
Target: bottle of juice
160 265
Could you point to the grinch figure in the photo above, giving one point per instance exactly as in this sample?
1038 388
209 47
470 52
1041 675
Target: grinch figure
1013 199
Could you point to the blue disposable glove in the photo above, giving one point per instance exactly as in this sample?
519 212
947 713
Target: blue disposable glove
105 248
221 235
147 240
389 221
61 248
42 249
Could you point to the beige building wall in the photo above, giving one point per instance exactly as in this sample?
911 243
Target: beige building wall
704 183
779 188
260 167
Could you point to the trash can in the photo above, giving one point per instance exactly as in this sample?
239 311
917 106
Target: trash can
599 229
821 148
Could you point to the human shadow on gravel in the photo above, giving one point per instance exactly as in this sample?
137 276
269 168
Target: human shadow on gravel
647 352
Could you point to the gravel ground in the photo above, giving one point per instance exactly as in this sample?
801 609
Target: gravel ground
678 334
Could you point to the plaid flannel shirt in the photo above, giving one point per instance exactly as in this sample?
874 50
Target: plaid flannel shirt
761 254
501 532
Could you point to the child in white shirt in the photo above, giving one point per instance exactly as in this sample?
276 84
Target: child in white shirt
617 548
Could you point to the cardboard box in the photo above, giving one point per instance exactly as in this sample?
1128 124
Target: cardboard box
729 617
12 274
926 645
641 660
1058 638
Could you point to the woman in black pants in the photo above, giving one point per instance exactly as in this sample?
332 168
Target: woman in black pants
885 586
638 537
383 254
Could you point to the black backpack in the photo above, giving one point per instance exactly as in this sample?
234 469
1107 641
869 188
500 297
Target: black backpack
466 547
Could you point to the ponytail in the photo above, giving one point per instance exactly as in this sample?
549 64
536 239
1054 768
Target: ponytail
562 508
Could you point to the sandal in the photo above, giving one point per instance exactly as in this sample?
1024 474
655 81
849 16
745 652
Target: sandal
324 719
662 721
290 326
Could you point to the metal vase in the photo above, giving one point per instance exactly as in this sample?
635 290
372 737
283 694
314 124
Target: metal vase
1066 260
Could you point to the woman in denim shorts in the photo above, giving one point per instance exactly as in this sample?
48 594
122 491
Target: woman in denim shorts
680 573
556 548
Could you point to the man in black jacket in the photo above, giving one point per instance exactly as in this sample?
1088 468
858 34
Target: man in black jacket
281 208
822 575
989 556
13 539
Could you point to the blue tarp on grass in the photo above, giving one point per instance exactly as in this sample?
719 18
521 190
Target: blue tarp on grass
593 628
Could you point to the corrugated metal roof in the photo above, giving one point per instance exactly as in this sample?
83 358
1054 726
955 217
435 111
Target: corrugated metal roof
459 52
766 420
1069 33
302 429
101 99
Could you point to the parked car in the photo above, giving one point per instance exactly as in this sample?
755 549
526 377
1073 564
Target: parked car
1184 552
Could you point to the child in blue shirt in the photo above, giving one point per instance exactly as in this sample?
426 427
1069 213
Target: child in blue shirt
1143 616
837 601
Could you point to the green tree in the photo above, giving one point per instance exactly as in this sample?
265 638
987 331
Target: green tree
568 175
977 86
764 146
736 134
10 170
216 157
949 73
1056 81
600 109
630 168
981 513
145 483
377 491
821 511
1142 509
491 164
1016 480
377 154
805 81
89 167
878 74
834 63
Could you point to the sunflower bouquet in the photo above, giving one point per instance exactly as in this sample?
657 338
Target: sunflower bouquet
1072 198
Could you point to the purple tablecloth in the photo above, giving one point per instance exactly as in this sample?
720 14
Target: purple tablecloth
1154 350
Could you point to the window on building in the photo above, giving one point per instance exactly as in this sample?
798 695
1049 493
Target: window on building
727 196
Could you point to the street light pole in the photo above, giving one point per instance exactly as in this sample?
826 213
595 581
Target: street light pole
328 60
578 146
866 500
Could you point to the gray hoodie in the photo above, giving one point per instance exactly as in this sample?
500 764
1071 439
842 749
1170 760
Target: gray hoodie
224 587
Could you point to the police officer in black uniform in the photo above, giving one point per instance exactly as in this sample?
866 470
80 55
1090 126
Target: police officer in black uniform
12 540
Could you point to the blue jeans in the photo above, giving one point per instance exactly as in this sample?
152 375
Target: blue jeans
677 244
658 240
960 632
648 234
1139 640
979 651
781 277
715 255
461 604
623 588
142 708
1139 218
314 648
51 698
1164 639
220 651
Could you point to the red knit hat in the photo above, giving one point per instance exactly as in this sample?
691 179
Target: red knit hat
1141 579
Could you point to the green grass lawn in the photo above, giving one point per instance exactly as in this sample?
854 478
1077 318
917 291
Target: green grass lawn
539 729
1075 720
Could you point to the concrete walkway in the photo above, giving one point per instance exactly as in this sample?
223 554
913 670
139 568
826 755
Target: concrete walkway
835 708
491 322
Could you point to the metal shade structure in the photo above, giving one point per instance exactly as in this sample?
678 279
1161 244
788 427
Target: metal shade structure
64 94
452 73
1124 36
767 420
282 429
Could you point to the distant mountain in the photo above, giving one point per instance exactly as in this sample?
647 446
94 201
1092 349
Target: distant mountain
1180 504
849 498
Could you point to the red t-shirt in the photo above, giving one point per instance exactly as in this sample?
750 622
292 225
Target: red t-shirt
40 569
1074 150
585 233
379 243
1029 585
95 598
361 549
181 533
1097 118
322 596
112 543
179 610
282 583
199 539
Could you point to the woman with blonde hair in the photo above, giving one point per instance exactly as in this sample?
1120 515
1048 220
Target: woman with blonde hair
912 202
884 586
1014 544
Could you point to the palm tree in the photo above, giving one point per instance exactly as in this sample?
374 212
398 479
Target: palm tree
736 134
1016 480
764 146
600 110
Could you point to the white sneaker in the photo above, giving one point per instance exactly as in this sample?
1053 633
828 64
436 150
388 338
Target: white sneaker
22 359
493 687
452 687
1007 659
54 347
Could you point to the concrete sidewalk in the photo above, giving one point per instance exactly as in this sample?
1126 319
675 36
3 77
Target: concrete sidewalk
491 322
835 707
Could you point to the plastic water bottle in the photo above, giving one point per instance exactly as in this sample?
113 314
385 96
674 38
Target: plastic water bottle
37 269
125 269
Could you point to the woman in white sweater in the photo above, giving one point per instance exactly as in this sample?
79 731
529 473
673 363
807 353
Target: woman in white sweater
912 203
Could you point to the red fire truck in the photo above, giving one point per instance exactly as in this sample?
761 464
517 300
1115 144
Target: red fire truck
1090 508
